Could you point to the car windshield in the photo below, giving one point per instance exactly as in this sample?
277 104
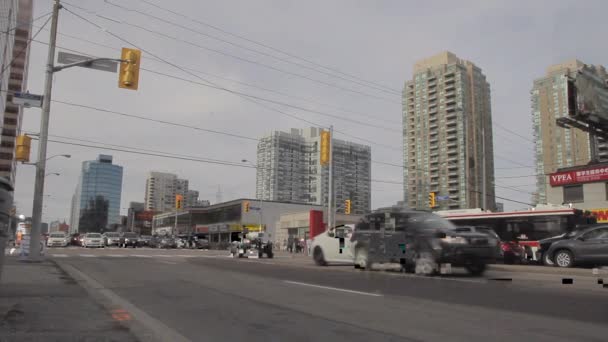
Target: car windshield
94 235
112 235
429 221
57 235
129 235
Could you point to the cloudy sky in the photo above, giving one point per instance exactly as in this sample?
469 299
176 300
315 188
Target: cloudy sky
373 43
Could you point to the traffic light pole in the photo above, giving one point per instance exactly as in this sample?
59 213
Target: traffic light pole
35 234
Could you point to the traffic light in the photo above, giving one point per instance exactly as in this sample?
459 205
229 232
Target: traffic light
179 199
128 77
325 146
347 207
432 202
22 150
246 206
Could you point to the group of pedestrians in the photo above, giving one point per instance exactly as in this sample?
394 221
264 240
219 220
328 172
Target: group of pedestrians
293 244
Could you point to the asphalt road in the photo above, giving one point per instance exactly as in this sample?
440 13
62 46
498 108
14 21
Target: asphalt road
206 296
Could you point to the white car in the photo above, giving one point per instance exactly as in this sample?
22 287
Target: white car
57 240
111 238
334 246
92 240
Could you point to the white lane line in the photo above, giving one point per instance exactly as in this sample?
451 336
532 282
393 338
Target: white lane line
141 256
163 256
59 255
185 256
333 288
168 262
87 255
116 255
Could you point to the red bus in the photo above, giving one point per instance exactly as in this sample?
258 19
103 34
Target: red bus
525 227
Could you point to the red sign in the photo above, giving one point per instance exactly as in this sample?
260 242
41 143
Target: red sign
202 229
595 174
144 215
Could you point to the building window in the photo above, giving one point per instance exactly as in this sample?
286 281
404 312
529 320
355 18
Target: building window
573 194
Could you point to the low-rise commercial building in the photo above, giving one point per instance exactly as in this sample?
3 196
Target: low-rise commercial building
584 187
223 222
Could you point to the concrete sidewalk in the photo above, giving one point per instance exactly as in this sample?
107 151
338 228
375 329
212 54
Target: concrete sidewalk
39 302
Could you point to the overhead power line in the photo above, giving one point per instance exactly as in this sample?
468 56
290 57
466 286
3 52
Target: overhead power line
285 60
278 92
27 43
242 59
267 46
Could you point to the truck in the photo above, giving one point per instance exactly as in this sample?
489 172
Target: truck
252 244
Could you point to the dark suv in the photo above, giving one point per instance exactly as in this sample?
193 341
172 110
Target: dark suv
420 241
584 246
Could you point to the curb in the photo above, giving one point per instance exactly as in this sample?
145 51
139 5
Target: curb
143 326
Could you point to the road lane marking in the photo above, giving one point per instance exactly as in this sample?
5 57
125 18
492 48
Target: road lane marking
333 288
117 255
59 255
168 262
87 255
141 256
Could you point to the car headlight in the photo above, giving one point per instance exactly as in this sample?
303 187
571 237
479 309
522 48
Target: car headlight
454 240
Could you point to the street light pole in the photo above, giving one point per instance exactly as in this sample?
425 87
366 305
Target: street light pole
330 190
34 253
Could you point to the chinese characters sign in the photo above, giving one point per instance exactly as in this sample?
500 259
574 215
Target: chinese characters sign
596 174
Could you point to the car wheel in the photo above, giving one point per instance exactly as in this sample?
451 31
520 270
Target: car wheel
425 264
362 259
476 268
563 258
319 257
547 260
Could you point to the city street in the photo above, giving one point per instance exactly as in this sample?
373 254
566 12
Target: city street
206 295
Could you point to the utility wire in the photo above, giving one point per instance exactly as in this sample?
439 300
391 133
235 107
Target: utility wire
226 54
211 83
391 92
24 48
266 45
313 101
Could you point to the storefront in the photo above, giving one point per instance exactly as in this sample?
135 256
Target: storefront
225 222
583 187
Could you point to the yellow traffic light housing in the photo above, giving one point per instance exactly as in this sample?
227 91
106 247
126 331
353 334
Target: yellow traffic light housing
325 146
347 207
246 206
179 201
128 76
22 149
432 200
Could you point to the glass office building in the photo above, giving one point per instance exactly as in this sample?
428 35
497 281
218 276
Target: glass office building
96 202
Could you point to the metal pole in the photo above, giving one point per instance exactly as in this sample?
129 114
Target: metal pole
175 227
330 190
483 169
34 254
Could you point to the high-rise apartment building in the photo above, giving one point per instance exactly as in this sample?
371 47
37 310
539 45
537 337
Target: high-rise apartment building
447 135
289 170
15 32
160 191
557 147
96 201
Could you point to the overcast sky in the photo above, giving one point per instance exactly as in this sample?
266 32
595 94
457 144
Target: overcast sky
376 41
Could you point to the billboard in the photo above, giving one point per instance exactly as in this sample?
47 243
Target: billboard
588 94
592 174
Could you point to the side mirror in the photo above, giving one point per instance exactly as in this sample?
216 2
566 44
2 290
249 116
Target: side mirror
331 233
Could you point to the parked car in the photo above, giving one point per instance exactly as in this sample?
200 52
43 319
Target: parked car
144 241
58 240
512 252
202 243
76 239
163 242
584 246
92 240
493 239
111 239
420 241
128 239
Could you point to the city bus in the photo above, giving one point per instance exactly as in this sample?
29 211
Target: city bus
526 227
